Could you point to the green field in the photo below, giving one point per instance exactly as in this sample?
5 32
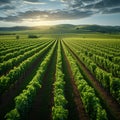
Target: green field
66 76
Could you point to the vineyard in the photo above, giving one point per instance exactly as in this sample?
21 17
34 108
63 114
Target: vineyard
60 77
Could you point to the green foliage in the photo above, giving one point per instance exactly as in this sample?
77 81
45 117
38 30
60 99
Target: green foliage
59 113
91 102
14 74
103 77
101 57
17 37
99 52
58 110
32 36
13 115
115 88
24 100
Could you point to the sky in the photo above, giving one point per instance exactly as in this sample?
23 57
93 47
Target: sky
52 12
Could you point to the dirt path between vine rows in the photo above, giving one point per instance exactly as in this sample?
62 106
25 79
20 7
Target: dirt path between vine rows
81 114
7 98
110 104
42 105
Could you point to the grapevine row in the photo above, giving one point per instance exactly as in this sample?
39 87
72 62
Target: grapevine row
11 63
17 53
59 112
102 62
18 46
13 75
91 102
110 83
24 100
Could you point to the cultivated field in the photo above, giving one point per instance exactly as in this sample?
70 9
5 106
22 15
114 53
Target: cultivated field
60 77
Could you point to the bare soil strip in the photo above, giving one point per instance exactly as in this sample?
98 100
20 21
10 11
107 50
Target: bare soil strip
7 98
111 105
43 102
81 114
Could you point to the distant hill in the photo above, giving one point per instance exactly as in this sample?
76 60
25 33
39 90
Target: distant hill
103 29
16 28
66 28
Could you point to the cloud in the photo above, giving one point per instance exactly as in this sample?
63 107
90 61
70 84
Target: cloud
111 11
107 3
4 2
32 0
37 1
101 6
48 15
74 9
93 3
7 7
34 3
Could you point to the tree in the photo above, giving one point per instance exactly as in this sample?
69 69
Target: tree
32 36
17 37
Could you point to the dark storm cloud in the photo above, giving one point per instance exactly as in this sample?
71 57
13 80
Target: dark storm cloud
4 1
95 3
48 15
36 0
111 11
32 0
7 7
10 18
76 9
107 3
